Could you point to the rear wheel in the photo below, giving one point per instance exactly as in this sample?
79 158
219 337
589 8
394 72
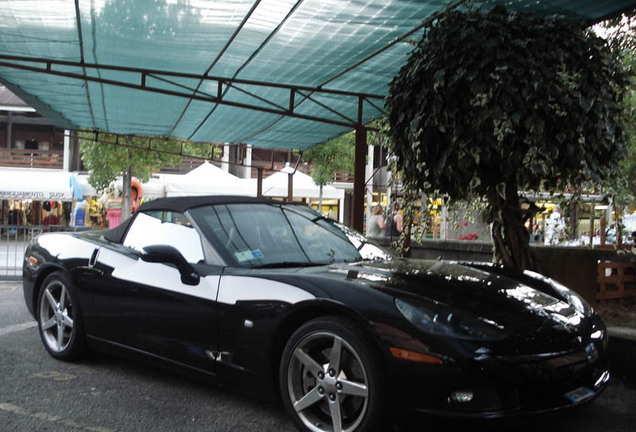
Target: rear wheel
331 380
59 318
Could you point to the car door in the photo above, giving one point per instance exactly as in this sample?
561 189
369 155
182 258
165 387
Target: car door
146 305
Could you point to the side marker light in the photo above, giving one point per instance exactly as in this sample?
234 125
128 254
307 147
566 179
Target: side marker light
415 356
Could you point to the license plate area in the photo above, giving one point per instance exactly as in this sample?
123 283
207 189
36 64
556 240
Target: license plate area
579 394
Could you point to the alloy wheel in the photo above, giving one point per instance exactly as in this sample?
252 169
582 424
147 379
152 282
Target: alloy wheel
327 383
56 316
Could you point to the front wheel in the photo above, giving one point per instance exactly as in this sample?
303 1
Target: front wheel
331 378
59 318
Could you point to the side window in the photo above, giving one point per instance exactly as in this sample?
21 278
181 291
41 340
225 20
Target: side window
165 228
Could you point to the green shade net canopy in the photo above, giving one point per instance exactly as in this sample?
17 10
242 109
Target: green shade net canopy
284 74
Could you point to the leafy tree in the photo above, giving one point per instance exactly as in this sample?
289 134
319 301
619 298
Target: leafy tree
330 157
490 103
107 157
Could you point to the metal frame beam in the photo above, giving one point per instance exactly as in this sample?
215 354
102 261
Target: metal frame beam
141 76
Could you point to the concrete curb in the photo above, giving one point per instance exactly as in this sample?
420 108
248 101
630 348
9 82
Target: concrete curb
622 352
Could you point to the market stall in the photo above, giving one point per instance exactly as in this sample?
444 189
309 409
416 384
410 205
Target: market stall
39 196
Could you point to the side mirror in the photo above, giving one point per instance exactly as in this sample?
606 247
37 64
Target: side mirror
169 255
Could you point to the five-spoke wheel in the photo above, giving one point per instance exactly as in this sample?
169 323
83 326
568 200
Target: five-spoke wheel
330 379
58 318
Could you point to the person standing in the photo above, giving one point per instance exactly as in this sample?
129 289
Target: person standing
376 224
554 229
394 223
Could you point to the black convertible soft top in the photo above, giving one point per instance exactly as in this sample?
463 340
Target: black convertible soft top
180 204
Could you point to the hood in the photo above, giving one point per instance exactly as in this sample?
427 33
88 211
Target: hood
516 307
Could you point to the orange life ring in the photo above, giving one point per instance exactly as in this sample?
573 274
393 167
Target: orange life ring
136 194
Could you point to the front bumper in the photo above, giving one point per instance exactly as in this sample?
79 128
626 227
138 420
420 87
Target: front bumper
499 387
501 401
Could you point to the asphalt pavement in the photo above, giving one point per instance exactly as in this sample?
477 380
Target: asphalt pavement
107 394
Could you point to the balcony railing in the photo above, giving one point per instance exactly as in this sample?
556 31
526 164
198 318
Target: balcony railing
343 177
24 158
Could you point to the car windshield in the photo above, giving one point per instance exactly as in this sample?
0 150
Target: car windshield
277 235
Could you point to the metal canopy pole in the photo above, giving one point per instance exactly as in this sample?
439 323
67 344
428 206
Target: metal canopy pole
360 163
290 187
259 182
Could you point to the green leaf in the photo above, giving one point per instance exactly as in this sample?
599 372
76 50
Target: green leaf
501 190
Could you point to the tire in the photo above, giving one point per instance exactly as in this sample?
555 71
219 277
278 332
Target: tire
331 378
59 318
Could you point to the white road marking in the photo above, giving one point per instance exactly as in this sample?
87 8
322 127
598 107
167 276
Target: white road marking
14 409
55 376
17 327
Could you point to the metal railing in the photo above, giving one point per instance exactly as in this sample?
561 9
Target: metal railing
13 243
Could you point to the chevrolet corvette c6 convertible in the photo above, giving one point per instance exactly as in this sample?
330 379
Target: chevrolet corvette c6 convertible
275 300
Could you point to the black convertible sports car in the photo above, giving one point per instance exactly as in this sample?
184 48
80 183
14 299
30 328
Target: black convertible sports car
260 295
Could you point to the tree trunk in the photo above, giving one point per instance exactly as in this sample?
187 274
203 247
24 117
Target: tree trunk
320 200
126 194
509 234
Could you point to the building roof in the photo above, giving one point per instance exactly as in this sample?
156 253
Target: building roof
10 102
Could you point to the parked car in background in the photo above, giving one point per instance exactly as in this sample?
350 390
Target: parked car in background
274 299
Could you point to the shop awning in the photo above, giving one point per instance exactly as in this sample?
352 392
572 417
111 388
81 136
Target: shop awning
41 184
284 74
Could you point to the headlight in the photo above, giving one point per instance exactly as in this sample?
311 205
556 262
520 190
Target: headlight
572 298
440 319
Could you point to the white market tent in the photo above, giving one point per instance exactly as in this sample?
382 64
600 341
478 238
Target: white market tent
276 185
206 179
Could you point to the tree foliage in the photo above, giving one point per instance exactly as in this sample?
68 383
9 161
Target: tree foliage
492 102
336 155
333 156
108 158
621 36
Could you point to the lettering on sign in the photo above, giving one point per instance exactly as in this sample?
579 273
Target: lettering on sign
38 196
